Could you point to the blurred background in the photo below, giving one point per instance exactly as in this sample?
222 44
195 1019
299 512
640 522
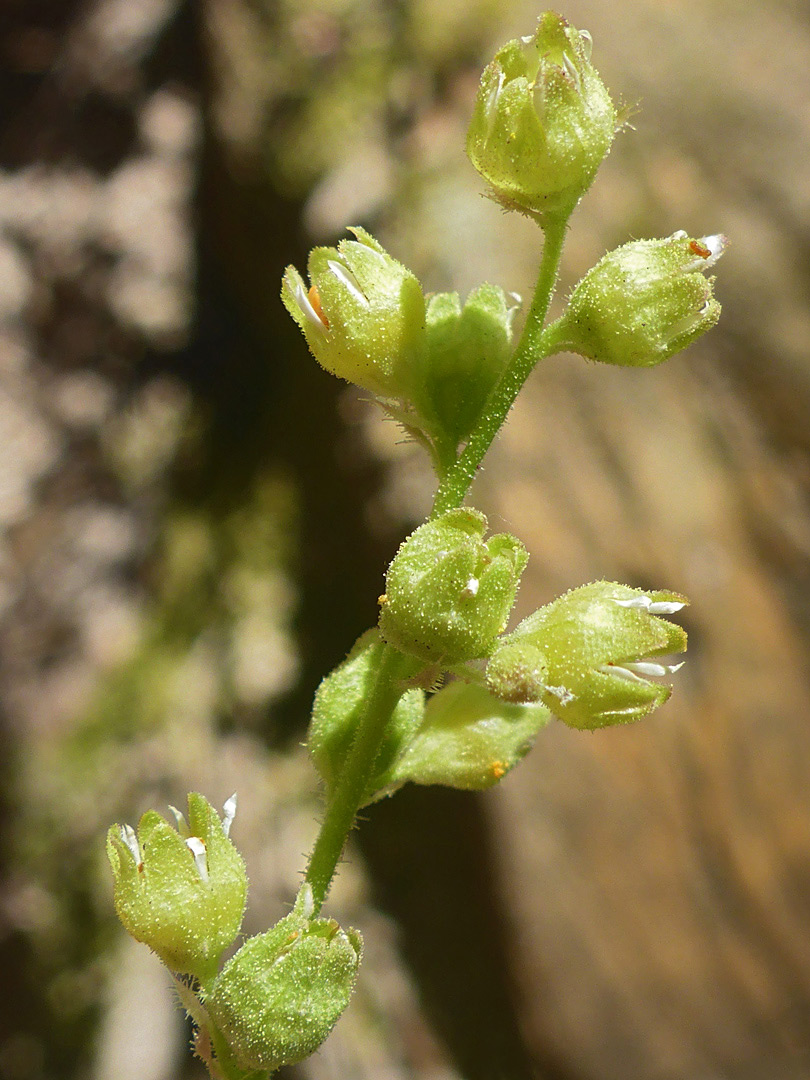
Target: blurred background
196 519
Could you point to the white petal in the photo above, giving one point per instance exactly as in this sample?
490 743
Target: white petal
572 72
666 607
182 827
131 840
492 101
643 602
471 588
622 672
347 278
561 693
228 814
645 667
197 849
307 900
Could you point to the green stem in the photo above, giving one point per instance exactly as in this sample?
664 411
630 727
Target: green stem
347 797
456 483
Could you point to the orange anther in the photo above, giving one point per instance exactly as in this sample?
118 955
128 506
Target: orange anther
315 300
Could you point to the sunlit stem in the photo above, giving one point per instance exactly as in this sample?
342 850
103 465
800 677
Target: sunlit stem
391 671
530 348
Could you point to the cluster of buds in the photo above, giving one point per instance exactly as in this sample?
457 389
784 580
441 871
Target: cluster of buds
431 360
599 655
182 892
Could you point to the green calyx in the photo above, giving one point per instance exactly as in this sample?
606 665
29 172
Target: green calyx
336 713
643 302
278 998
468 348
363 314
181 891
448 593
543 121
468 739
592 656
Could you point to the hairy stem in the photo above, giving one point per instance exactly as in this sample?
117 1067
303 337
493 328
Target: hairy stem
392 668
530 348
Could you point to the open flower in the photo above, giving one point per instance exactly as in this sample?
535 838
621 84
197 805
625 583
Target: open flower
180 891
363 314
593 656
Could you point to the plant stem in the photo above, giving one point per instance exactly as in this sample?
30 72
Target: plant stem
456 483
346 798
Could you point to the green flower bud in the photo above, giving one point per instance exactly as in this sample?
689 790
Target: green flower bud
589 656
643 302
468 739
467 351
278 998
339 702
543 121
182 892
448 594
363 315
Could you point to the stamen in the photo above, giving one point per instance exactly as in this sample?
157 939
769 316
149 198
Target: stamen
197 849
229 813
347 278
708 250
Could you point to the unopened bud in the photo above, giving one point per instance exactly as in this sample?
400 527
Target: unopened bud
467 350
543 120
448 593
278 998
643 302
338 708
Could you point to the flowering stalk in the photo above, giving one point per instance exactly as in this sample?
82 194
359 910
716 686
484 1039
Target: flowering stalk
439 692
